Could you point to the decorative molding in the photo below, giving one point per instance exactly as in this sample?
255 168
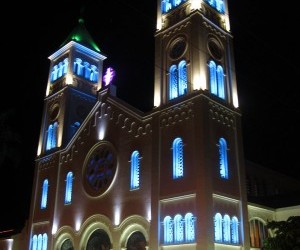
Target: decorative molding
221 115
176 115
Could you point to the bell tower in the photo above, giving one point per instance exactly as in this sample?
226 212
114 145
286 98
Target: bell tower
193 50
75 77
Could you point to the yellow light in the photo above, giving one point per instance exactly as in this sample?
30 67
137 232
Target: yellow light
196 4
69 79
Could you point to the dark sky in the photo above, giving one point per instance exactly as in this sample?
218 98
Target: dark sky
265 55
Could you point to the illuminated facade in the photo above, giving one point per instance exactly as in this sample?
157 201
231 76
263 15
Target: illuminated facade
108 177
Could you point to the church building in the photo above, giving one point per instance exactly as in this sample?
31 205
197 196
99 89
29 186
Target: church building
109 176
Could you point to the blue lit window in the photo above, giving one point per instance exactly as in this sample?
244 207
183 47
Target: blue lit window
189 227
59 70
216 77
178 229
226 229
85 70
223 158
168 230
234 230
34 242
135 170
69 187
217 5
167 5
173 82
40 242
52 136
218 228
178 80
44 194
177 158
45 241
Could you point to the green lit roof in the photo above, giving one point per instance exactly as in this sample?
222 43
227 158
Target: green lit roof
82 36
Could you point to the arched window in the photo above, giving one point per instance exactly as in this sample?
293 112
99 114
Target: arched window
69 187
40 242
178 229
87 70
216 77
213 77
52 136
223 158
165 6
45 241
136 241
54 72
78 67
189 227
94 74
218 227
173 82
168 230
135 170
234 230
182 78
258 233
226 229
67 245
177 158
44 194
65 66
212 3
178 80
34 242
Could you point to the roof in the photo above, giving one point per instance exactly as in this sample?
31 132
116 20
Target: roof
81 35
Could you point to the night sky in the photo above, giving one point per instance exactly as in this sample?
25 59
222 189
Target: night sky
265 56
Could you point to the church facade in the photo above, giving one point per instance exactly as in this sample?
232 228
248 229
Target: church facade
109 176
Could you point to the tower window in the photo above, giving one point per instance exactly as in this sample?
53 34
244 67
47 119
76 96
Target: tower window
167 5
178 228
52 136
69 187
59 70
86 70
44 194
135 170
218 228
189 227
226 229
177 158
168 230
178 80
217 5
223 158
234 230
216 74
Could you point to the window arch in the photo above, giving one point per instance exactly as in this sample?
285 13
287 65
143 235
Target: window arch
178 80
226 229
34 242
173 82
69 187
258 233
234 230
45 241
189 227
182 73
44 194
168 230
216 78
52 136
218 227
39 242
177 158
178 228
223 158
135 170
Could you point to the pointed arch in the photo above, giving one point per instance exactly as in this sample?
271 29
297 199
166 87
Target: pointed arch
178 158
220 81
173 84
135 170
212 77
